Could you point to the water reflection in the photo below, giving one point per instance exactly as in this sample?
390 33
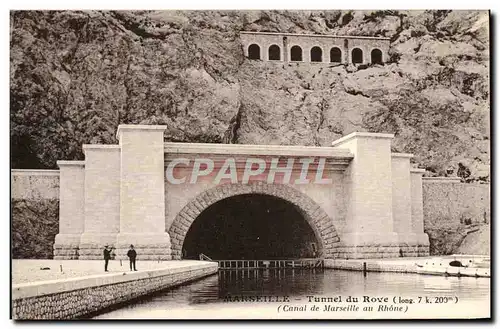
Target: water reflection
270 282
208 297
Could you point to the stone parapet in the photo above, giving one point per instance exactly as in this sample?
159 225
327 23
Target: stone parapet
262 150
441 179
82 297
34 184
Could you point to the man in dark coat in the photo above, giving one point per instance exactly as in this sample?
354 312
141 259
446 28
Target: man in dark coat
107 257
132 254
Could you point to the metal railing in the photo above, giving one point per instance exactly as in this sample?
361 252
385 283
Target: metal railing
274 263
205 257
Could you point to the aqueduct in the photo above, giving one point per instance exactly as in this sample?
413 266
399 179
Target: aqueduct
354 199
315 48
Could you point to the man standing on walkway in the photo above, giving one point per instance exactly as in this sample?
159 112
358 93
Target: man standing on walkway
132 254
107 257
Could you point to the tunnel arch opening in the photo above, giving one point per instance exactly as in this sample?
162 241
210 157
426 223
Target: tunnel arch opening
296 54
357 56
254 51
253 227
274 53
316 54
319 221
376 56
335 55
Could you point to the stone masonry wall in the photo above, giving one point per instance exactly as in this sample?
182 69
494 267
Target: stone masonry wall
319 221
452 210
452 200
449 206
80 303
34 184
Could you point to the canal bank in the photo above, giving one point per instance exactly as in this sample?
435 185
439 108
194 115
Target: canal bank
77 297
398 265
284 293
435 265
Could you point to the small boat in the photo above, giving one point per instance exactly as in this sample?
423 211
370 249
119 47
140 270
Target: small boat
456 265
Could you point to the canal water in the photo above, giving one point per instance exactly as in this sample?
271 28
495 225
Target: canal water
314 294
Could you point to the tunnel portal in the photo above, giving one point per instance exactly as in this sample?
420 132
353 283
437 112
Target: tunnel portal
251 226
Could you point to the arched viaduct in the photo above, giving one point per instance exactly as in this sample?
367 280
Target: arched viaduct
315 48
354 199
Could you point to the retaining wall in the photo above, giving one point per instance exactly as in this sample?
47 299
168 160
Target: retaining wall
447 199
81 297
34 184
372 265
452 210
401 265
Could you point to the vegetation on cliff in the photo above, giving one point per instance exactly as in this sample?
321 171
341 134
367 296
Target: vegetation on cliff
34 226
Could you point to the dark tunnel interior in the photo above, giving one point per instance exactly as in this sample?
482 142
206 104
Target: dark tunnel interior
250 226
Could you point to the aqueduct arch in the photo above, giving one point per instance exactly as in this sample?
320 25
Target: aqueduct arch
317 218
299 47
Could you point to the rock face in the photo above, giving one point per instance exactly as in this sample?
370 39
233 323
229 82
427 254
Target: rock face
76 75
35 224
476 242
453 213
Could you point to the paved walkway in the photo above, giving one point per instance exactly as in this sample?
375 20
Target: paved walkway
30 270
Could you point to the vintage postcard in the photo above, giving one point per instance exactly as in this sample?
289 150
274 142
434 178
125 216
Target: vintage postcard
263 164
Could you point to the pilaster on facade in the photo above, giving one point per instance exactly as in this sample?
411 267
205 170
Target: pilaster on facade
71 209
142 191
381 204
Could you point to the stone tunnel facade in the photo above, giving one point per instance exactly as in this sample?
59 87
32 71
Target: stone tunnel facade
314 48
360 200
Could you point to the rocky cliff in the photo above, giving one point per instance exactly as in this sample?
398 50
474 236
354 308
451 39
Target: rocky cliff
76 75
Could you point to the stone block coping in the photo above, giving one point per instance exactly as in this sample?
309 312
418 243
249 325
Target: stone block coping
401 155
40 288
316 35
271 150
361 135
138 127
70 163
101 147
34 172
441 179
417 171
